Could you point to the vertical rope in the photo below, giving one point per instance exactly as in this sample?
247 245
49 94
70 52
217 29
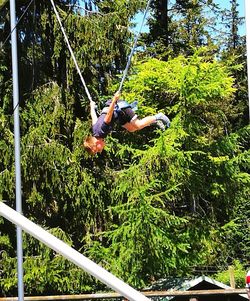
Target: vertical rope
71 52
133 48
74 59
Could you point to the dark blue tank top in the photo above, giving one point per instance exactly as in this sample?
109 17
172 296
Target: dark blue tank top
101 129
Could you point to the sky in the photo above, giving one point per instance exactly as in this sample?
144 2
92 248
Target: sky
226 4
241 8
222 4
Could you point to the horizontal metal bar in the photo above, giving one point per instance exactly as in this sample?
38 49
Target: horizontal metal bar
241 291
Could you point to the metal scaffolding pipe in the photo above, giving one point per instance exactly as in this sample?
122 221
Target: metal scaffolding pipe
71 254
169 293
17 146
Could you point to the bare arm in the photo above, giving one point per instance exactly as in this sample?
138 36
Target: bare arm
93 112
109 114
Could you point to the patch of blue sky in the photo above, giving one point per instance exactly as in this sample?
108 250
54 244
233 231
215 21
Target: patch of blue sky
223 4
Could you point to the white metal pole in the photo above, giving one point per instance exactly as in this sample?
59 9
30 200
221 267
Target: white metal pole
247 18
71 254
17 146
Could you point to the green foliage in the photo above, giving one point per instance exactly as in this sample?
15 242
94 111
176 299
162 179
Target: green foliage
197 90
149 237
44 271
2 3
238 272
142 200
6 147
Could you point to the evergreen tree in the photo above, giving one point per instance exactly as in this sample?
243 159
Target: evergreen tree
179 27
234 53
161 28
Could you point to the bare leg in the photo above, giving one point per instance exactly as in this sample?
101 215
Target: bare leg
138 124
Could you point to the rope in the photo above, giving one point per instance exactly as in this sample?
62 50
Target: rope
133 48
74 59
71 52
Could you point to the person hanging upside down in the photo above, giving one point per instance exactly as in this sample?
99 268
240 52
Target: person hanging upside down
118 112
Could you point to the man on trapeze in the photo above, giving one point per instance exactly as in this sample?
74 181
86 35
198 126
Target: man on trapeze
119 112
